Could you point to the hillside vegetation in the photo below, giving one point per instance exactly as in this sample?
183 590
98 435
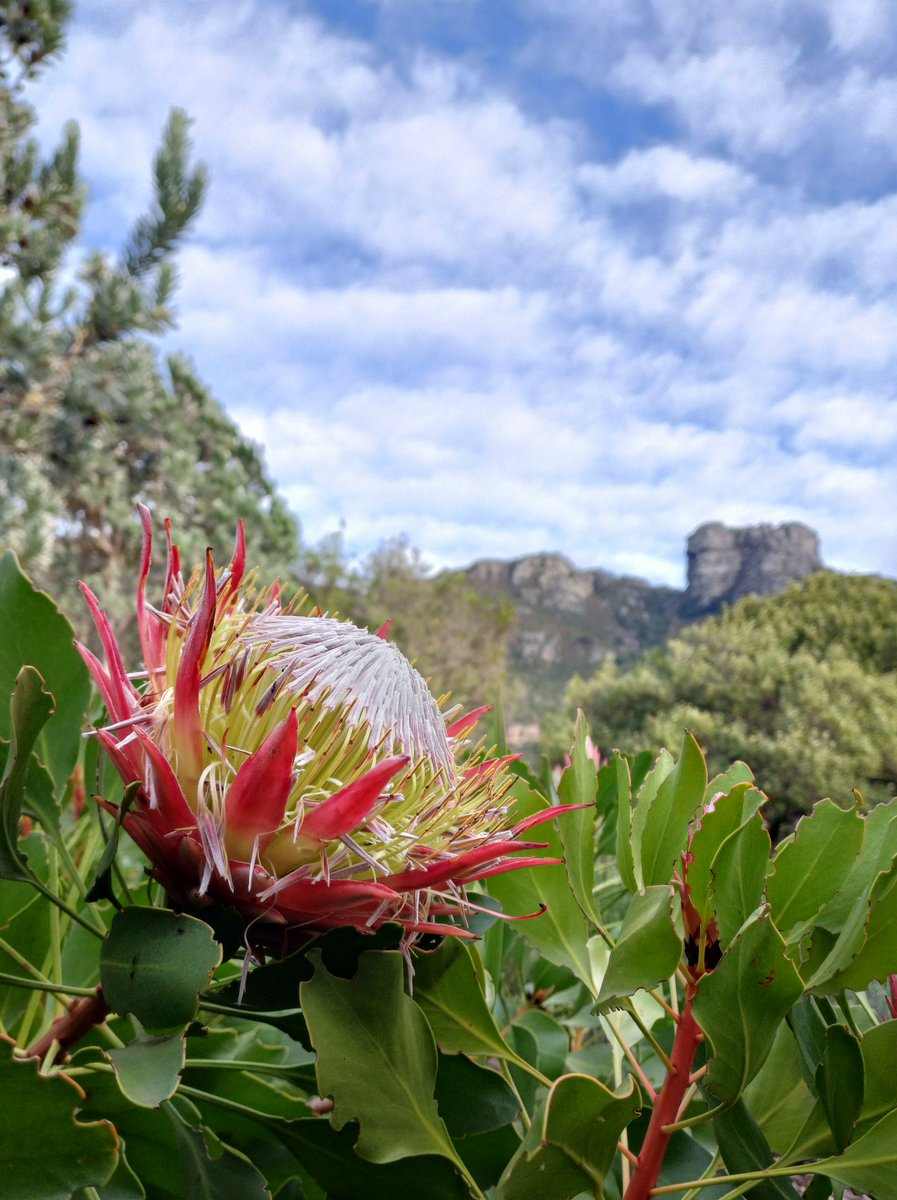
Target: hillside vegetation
803 686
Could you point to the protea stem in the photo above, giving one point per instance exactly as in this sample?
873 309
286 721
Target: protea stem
68 1029
667 1105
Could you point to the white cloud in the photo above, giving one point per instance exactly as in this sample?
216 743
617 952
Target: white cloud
443 310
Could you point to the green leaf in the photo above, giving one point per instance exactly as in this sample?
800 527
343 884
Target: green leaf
778 1096
212 1170
472 1099
866 948
876 856
741 1004
715 826
36 633
123 1184
330 1158
744 1148
154 963
149 1068
879 1050
623 787
840 1083
574 1146
647 951
811 867
448 989
739 872
561 932
736 775
376 1058
552 1040
46 1153
29 709
667 819
643 800
579 785
869 1164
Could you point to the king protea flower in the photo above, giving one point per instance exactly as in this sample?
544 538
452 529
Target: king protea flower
295 767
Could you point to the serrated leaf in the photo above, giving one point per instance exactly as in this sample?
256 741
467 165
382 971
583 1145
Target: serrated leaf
840 1083
866 948
36 633
879 1050
643 799
714 828
154 963
367 1029
667 819
876 856
561 932
149 1068
738 874
574 1146
579 785
29 710
647 951
46 1152
812 866
448 989
741 1004
720 785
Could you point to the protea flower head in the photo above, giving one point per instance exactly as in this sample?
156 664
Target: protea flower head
296 767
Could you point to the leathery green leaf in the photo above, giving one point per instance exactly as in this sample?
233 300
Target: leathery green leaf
738 872
36 632
879 1050
154 963
573 1147
741 1004
840 1083
647 951
715 826
149 1068
667 820
744 1147
212 1169
449 991
579 785
869 1164
810 868
29 710
46 1152
623 786
876 856
866 948
560 934
376 1058
642 801
778 1096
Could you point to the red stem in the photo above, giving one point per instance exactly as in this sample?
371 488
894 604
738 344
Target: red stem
70 1028
667 1104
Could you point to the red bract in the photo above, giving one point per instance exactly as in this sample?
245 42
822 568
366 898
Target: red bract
295 768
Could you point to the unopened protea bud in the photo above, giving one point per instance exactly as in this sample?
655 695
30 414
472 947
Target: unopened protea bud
296 768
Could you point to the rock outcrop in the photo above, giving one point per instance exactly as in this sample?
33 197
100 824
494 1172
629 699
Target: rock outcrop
725 564
569 619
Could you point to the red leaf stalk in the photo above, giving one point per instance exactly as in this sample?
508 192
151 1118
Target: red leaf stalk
67 1030
667 1104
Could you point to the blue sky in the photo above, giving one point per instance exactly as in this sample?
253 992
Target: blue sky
523 275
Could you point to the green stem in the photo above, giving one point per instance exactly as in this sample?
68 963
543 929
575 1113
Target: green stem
21 961
646 1033
525 1118
691 1122
669 1189
41 985
235 1064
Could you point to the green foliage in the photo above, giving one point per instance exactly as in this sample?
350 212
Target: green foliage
803 686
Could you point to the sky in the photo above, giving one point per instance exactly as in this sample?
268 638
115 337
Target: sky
511 276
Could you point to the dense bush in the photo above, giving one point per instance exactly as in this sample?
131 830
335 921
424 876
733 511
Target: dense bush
803 686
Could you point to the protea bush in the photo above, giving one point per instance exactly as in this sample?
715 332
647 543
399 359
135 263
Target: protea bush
294 766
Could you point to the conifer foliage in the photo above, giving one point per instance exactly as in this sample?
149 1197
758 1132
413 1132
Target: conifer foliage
91 418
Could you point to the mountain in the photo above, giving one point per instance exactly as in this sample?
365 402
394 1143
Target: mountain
568 619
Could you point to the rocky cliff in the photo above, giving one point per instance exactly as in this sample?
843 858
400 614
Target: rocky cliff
568 619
